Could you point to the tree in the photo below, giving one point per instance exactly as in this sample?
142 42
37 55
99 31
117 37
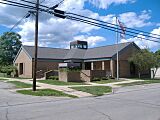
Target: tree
157 65
144 60
9 46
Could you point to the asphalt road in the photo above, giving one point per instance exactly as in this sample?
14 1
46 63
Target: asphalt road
129 103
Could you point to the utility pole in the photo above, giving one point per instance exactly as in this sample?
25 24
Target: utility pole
117 49
36 46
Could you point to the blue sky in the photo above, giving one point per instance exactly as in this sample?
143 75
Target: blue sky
53 32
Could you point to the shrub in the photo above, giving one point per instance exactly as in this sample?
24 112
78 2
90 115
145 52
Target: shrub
53 77
8 69
96 79
104 78
70 70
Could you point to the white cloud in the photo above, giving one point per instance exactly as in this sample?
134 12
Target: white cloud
105 3
141 41
131 19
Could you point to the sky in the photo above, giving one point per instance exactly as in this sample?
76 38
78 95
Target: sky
58 33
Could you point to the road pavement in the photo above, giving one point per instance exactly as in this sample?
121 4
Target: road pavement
128 103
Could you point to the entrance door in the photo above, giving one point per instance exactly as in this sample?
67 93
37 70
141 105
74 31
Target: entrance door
21 68
88 66
132 69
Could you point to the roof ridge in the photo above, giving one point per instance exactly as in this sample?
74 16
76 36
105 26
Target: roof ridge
44 47
111 45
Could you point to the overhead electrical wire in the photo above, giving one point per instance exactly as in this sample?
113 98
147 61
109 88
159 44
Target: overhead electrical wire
144 33
106 27
127 28
111 24
26 16
90 21
33 3
16 5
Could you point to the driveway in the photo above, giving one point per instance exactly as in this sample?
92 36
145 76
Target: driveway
129 103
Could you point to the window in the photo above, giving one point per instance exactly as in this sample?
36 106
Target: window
84 46
79 46
72 46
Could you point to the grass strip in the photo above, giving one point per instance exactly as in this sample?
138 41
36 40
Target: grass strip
3 79
20 84
45 92
95 90
107 81
56 82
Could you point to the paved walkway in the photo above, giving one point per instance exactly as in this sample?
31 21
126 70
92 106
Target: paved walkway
66 89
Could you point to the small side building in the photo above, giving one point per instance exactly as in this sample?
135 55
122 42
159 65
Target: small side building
156 72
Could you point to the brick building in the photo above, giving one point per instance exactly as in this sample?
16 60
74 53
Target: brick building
98 58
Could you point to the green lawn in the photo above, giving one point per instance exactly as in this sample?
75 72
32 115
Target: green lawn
56 82
95 90
140 82
107 81
20 84
22 78
45 92
142 79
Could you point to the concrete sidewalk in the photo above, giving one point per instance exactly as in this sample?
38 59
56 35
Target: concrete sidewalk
66 89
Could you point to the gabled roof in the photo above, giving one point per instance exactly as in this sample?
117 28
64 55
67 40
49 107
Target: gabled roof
104 51
83 54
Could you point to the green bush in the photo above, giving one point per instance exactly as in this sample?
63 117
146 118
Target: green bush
104 78
96 79
53 77
70 70
8 69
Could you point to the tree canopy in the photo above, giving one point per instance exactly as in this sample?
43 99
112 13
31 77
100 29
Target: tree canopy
157 55
144 60
9 45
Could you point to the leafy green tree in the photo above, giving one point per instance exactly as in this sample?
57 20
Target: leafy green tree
157 52
9 45
157 65
144 60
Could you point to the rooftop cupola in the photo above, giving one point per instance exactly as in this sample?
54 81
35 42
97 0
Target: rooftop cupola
79 44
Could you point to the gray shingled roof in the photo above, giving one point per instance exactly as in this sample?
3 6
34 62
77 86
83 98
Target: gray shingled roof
105 51
57 53
47 53
75 54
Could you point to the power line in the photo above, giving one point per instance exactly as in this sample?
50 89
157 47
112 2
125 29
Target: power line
112 24
26 16
33 3
16 5
106 27
93 19
96 24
